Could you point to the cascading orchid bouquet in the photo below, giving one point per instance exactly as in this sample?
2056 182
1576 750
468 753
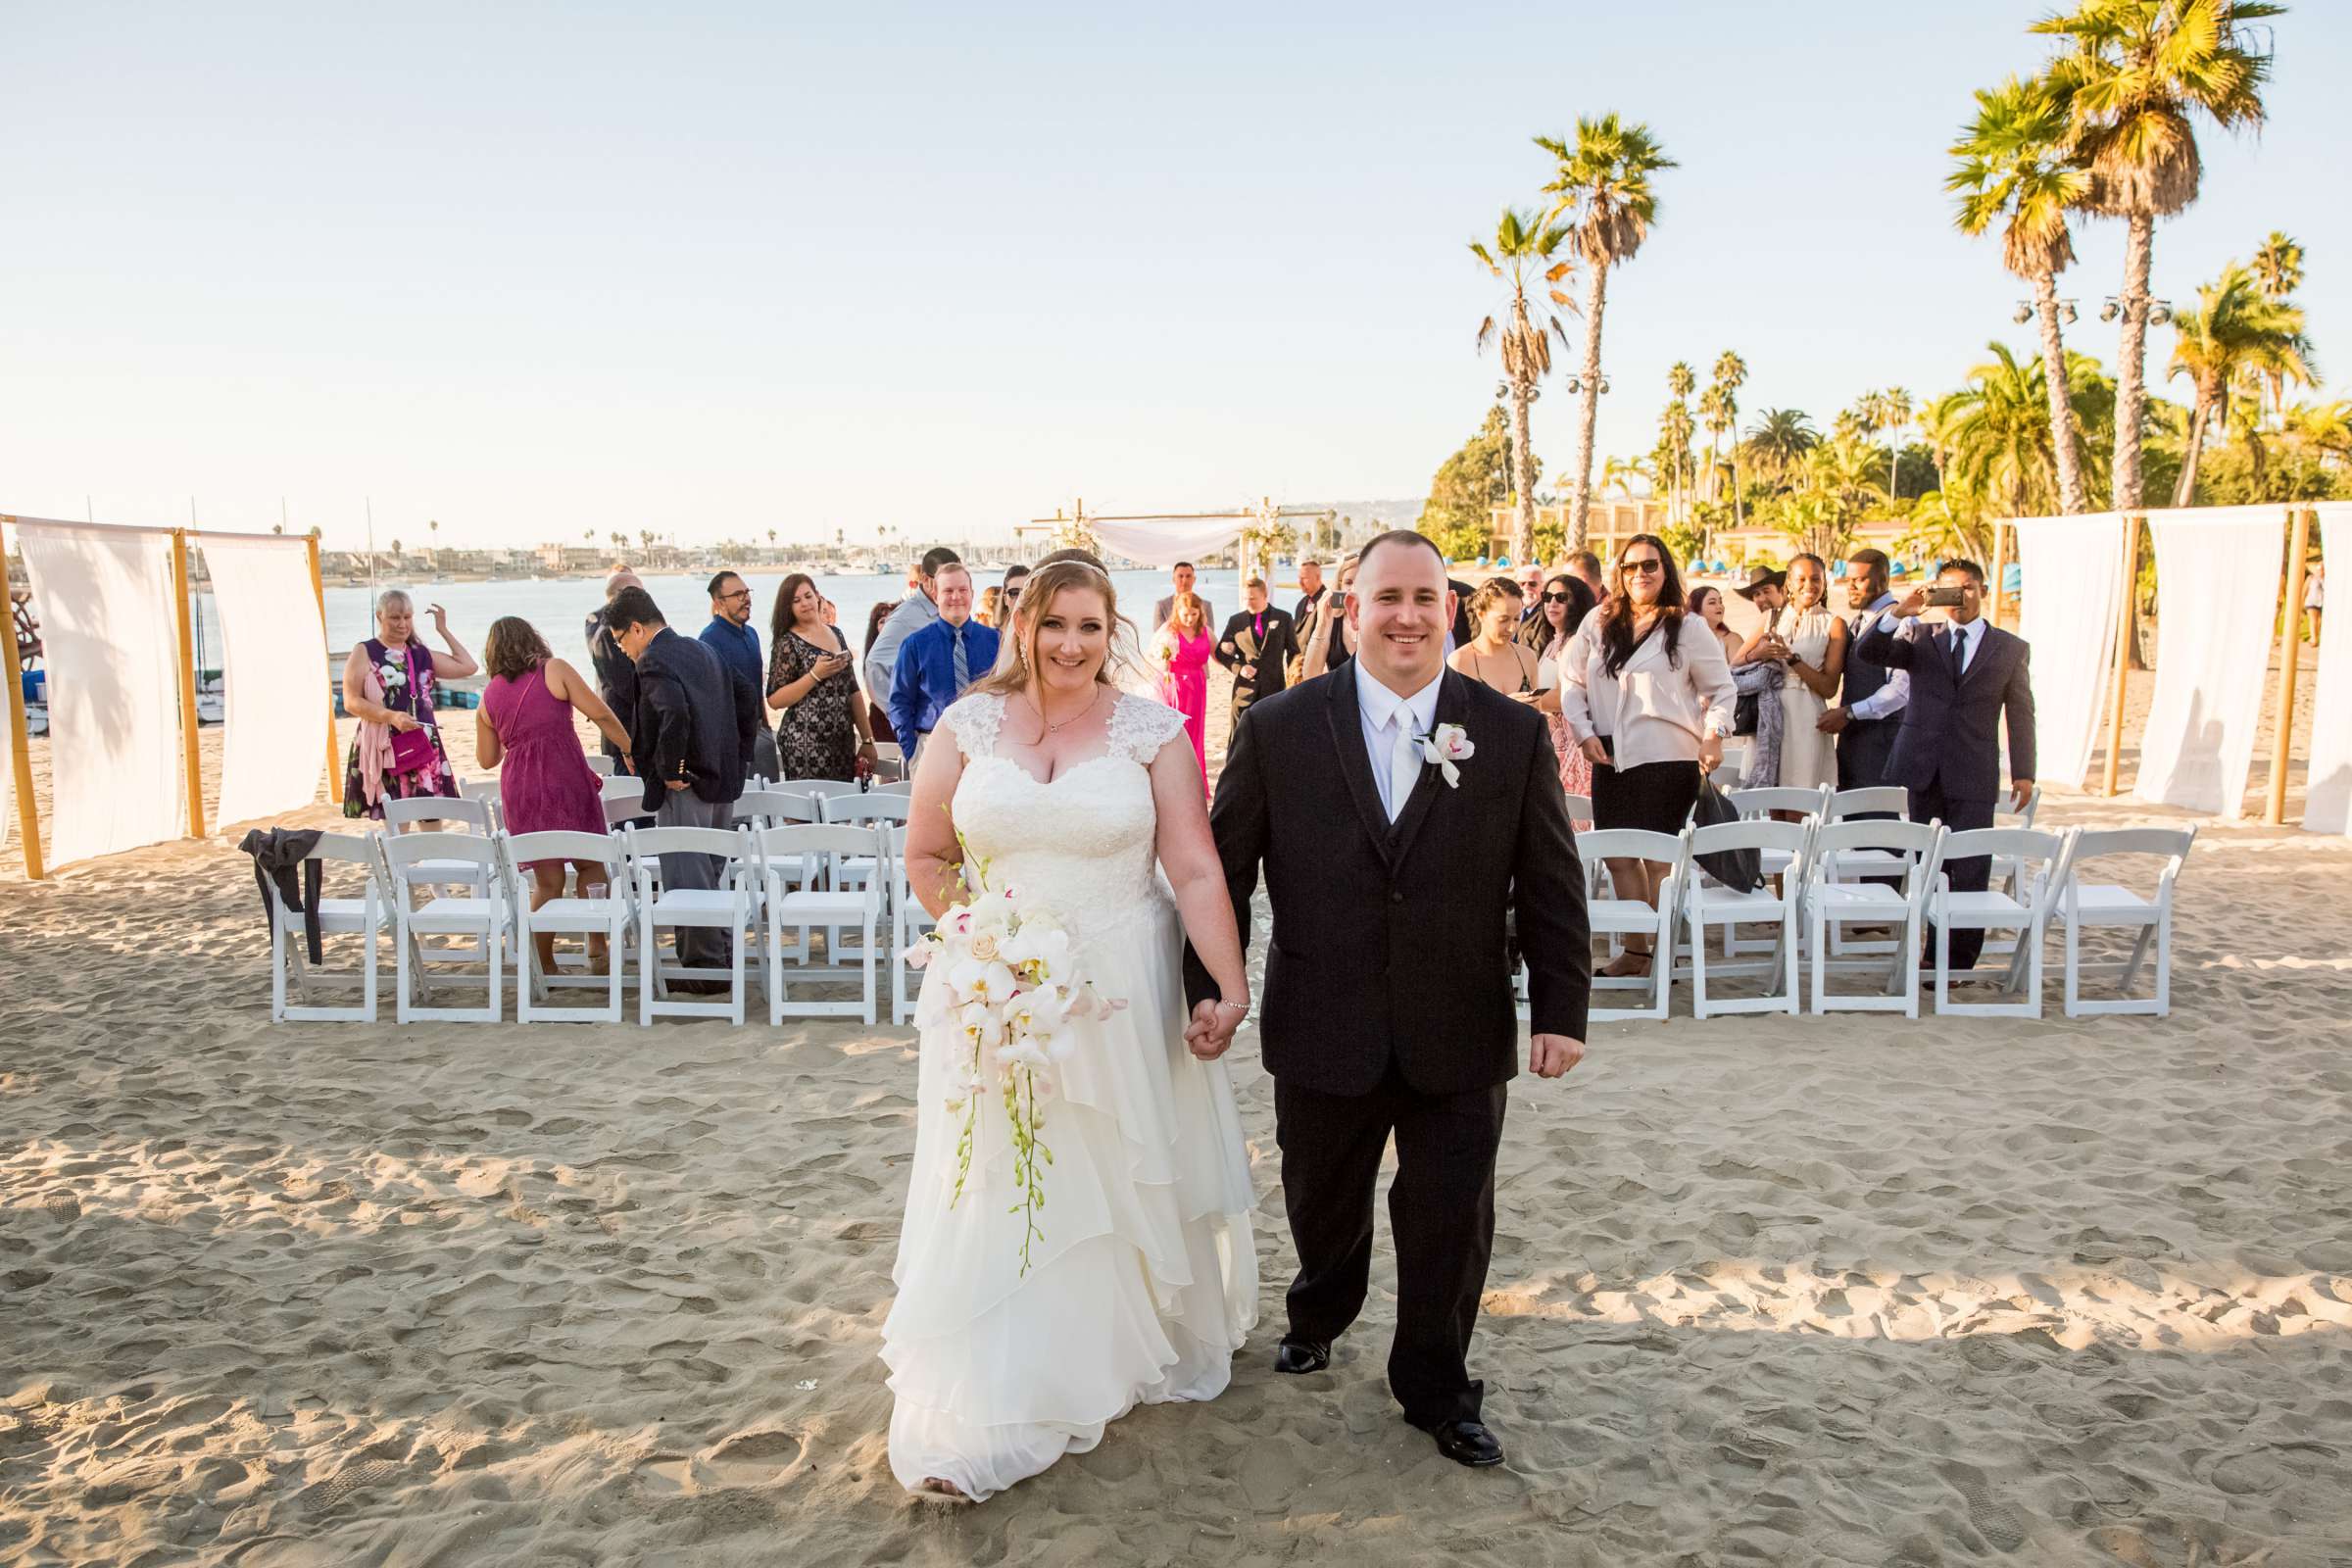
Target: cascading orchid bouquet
1010 985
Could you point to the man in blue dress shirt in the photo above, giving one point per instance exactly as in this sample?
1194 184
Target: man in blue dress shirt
939 661
730 636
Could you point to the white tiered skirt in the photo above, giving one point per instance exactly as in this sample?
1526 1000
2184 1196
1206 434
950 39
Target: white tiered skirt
1145 1282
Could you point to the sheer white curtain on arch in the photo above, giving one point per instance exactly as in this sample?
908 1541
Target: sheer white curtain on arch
275 674
2217 600
112 643
1163 542
8 701
2073 571
2328 800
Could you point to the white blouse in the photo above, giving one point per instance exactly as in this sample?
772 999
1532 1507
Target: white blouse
1653 709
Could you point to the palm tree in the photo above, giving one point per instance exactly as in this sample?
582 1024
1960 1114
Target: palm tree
1603 180
2132 74
1620 471
1525 245
1718 420
2279 263
2014 166
1779 438
1731 373
2235 327
1993 436
1675 429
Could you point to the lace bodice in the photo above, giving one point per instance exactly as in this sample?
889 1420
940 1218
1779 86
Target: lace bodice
1083 842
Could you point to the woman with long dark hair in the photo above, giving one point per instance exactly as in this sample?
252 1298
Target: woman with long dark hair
1552 633
1650 700
823 732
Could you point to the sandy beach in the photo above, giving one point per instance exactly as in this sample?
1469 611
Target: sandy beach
1847 1291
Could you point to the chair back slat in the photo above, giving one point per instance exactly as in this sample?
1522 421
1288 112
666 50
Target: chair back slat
798 839
1757 802
2133 841
405 850
561 845
651 843
1755 833
866 807
1874 798
2021 842
474 814
1877 833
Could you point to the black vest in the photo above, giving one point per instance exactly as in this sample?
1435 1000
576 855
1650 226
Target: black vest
1863 676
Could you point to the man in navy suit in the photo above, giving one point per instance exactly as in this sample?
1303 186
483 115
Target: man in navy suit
1966 675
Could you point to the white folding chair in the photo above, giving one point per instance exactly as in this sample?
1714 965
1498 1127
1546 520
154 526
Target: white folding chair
781 850
622 785
362 916
600 765
823 787
1834 898
1865 864
773 807
725 907
1708 902
890 760
896 786
1580 810
2024 912
908 922
445 813
2006 871
1891 800
863 810
484 790
474 922
1616 919
584 914
2082 907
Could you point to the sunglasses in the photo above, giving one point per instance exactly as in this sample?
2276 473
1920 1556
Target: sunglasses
1645 565
1557 599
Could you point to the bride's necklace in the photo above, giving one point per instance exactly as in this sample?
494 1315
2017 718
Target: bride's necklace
1054 728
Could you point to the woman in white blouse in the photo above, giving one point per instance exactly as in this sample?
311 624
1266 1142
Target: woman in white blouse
1650 699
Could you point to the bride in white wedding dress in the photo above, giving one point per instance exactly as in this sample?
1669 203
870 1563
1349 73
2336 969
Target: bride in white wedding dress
1144 1281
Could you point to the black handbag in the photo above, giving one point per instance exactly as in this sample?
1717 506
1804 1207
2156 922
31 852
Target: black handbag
1744 712
1740 870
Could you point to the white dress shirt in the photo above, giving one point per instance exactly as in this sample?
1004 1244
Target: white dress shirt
1381 711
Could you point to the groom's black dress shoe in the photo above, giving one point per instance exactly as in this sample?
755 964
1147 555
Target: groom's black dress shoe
1298 1357
1466 1442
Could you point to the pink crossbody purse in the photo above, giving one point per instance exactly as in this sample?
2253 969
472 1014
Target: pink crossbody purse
412 749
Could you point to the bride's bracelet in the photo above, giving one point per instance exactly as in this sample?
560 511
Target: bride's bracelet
1242 1007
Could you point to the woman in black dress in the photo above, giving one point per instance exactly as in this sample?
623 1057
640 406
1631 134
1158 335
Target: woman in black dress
823 732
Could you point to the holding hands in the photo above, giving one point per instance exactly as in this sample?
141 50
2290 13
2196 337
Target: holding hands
1214 1023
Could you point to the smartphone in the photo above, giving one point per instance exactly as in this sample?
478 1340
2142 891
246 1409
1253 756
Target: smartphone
1946 598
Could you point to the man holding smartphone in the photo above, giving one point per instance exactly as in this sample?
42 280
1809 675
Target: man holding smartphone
1967 678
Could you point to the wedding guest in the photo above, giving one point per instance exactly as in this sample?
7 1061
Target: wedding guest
1651 701
1181 576
919 609
990 609
825 732
731 636
1310 594
1257 645
1585 567
1873 697
524 729
388 686
1182 652
1330 643
2315 599
1528 579
1807 641
938 661
1493 655
1767 588
877 717
1550 634
1009 599
1706 603
616 671
1967 679
696 716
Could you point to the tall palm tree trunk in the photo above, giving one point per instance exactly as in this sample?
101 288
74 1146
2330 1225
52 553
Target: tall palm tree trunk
2071 495
2185 491
2131 356
1523 473
1580 497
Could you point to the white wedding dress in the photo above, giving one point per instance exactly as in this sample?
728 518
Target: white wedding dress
1145 1282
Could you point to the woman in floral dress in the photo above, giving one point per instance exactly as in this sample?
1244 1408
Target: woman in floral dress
388 686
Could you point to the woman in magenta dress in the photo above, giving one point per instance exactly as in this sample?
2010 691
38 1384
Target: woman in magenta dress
1182 651
525 730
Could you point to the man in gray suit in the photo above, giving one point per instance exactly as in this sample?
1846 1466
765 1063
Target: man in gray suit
1182 576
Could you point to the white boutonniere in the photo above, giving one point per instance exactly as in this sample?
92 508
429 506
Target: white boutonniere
1446 746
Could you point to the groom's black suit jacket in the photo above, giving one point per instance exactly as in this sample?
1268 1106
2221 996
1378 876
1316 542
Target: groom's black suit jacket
1388 942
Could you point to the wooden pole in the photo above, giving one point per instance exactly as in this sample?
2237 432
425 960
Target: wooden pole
2000 564
2123 653
334 773
187 683
29 815
2290 648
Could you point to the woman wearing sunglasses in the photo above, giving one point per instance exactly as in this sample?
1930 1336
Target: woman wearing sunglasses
1649 699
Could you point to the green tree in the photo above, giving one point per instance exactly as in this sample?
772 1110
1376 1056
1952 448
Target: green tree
1730 374
2015 169
2235 328
1526 250
2279 263
1993 436
1458 515
2134 74
1776 442
1603 184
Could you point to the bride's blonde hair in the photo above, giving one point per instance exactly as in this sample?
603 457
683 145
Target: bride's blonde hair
1017 656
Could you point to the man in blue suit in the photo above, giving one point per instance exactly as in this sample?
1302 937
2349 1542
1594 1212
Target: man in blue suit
1966 676
937 662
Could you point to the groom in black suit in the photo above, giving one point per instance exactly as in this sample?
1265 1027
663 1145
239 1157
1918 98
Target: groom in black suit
1966 676
1387 1001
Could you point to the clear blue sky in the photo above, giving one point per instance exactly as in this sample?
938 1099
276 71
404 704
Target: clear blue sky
717 268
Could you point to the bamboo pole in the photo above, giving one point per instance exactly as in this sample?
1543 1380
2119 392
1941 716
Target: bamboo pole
2123 653
2000 564
2290 648
334 772
190 745
29 816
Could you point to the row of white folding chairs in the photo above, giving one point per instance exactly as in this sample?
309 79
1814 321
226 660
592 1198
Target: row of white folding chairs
1835 874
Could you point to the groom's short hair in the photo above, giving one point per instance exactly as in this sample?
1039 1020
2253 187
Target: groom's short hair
1398 537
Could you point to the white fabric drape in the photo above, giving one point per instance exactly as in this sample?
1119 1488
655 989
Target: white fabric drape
2217 597
9 700
275 673
112 659
2327 802
2073 573
1165 542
